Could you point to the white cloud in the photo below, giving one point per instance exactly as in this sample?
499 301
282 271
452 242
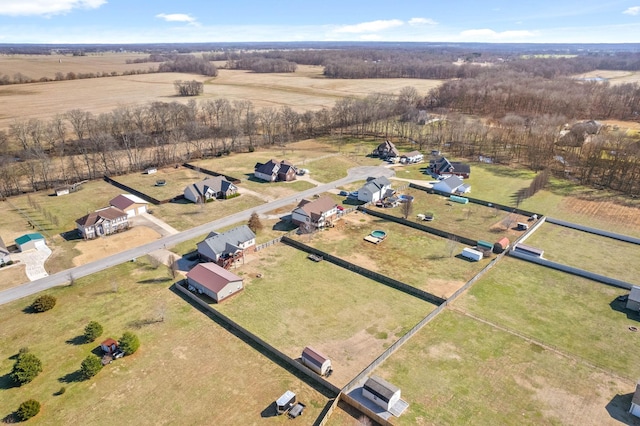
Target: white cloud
176 17
422 21
491 35
370 27
46 7
635 10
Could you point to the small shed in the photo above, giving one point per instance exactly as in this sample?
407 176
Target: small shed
285 402
633 301
501 245
63 190
31 241
109 346
316 361
151 170
381 392
472 254
484 245
635 401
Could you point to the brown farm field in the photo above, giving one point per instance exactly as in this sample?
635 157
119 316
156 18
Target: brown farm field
184 357
304 90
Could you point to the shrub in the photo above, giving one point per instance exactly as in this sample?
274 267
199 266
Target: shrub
28 409
92 331
26 368
90 366
43 303
129 343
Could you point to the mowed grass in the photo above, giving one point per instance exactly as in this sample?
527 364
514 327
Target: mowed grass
182 359
470 220
12 276
417 258
604 256
298 302
457 370
176 180
578 316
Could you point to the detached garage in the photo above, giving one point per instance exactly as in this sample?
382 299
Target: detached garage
31 241
214 281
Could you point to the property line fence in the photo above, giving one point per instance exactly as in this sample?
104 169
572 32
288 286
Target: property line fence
231 179
602 233
419 226
142 195
274 241
311 378
326 412
499 206
398 285
572 270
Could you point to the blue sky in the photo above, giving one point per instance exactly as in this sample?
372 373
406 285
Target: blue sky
149 21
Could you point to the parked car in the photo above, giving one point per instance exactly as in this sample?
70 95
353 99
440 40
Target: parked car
343 193
118 353
340 208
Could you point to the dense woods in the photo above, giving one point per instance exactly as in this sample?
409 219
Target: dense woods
495 106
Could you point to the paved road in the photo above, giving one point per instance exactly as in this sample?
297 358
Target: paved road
61 278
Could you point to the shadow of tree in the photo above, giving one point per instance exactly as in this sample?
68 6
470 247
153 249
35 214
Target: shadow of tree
78 340
138 324
73 377
6 382
155 280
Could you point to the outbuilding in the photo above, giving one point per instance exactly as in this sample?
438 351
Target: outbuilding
31 241
528 250
316 361
109 346
633 301
501 245
214 281
381 392
285 402
472 254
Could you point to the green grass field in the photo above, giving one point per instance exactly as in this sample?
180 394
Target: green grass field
298 302
183 358
176 180
591 252
414 257
578 316
458 370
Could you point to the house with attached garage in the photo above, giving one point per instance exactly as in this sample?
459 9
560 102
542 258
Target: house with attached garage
386 150
275 171
452 185
315 214
375 189
226 247
130 204
216 187
30 242
444 167
214 281
411 157
102 222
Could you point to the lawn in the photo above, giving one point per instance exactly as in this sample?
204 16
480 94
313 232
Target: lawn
297 302
205 361
333 168
470 220
176 180
458 370
594 253
12 276
414 257
576 315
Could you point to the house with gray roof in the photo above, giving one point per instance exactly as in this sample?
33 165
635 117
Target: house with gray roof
375 189
226 247
452 185
275 171
210 189
444 167
386 150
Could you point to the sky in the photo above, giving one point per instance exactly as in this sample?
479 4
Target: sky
193 21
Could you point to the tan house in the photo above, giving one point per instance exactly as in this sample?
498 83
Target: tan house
315 214
102 222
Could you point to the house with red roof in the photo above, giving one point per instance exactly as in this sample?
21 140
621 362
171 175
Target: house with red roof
214 281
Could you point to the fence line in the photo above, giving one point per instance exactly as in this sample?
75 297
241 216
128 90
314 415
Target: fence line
308 376
383 279
142 195
602 233
231 179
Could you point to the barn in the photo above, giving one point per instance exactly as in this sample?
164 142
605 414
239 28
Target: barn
214 281
381 392
633 301
635 401
30 241
501 245
316 361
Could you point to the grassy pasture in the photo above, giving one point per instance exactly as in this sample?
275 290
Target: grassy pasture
176 181
298 302
576 315
458 370
416 258
205 362
591 252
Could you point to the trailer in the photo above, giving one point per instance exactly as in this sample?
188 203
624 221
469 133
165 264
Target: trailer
458 199
472 254
285 402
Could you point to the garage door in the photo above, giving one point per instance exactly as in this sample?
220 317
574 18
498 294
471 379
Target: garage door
142 209
40 244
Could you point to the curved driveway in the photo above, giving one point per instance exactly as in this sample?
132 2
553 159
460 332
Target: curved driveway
28 289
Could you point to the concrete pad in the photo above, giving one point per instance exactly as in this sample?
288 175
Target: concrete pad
34 262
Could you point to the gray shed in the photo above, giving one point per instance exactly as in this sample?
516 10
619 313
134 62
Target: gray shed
316 361
381 392
633 302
